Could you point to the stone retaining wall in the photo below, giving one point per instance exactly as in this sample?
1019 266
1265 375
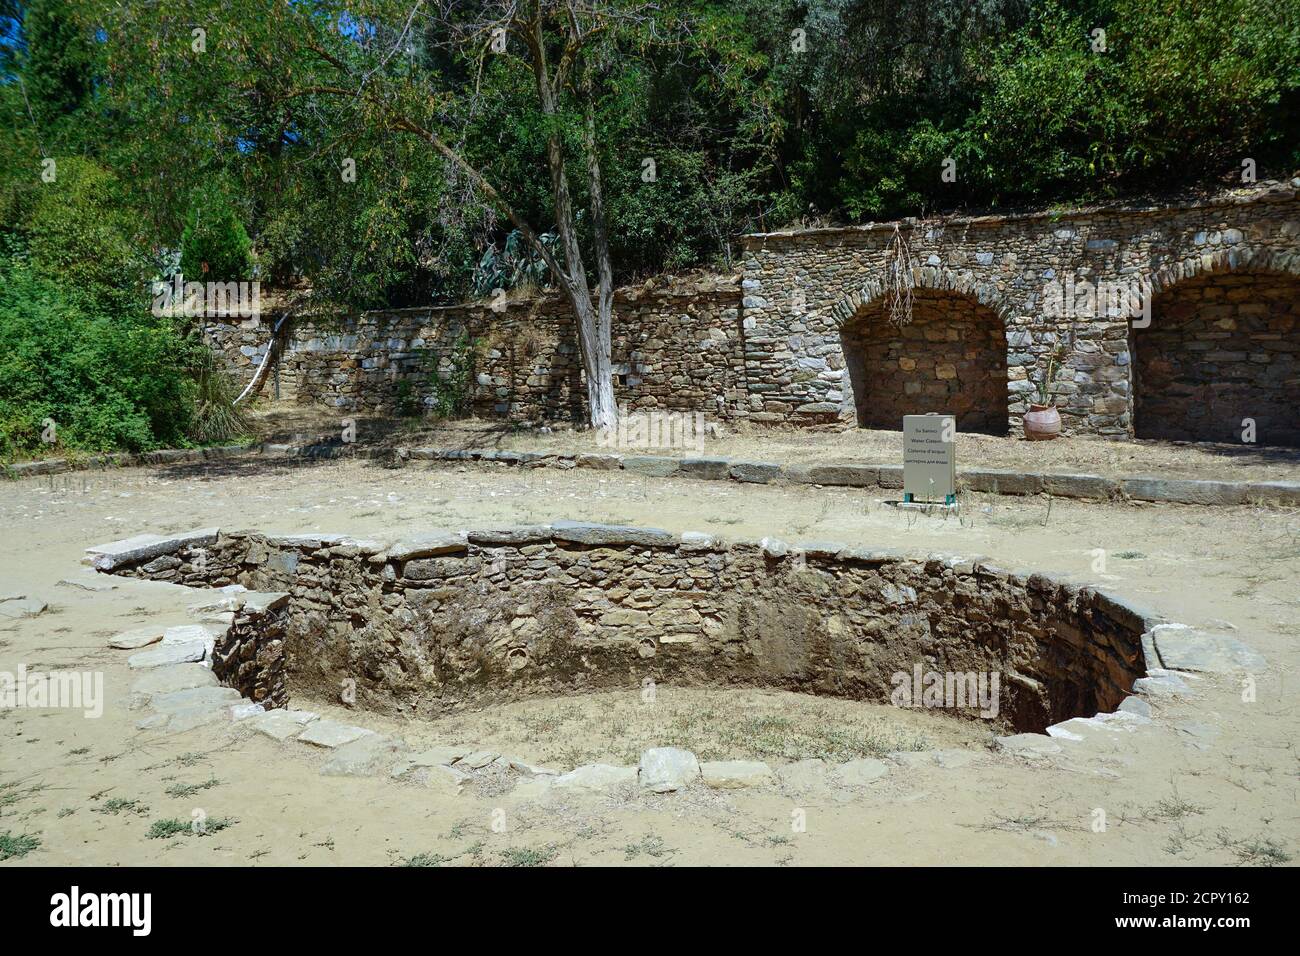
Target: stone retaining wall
780 341
674 348
444 620
802 289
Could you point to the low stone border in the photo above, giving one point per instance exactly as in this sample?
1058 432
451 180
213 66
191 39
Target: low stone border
229 667
165 456
989 480
845 475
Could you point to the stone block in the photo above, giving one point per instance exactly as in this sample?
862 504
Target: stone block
755 472
582 532
665 769
654 466
708 469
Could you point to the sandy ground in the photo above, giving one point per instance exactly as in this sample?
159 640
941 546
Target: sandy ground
1213 781
294 424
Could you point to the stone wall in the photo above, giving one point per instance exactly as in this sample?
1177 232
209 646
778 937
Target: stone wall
675 348
770 345
951 357
802 288
441 621
1222 350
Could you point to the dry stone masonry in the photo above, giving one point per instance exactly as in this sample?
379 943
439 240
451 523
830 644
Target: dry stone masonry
442 620
1064 648
801 335
675 348
808 293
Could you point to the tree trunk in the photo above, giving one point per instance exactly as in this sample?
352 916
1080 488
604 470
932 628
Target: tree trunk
601 394
594 336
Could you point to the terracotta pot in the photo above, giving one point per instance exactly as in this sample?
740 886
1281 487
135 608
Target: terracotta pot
1042 422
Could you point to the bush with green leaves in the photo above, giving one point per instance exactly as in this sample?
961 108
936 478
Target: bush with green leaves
79 231
104 381
215 246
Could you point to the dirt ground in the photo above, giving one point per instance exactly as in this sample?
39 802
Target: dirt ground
1212 781
292 424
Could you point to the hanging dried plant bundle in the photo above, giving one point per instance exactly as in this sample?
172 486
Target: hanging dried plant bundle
898 280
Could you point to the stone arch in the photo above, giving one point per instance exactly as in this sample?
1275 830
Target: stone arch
1222 346
925 277
1235 258
952 357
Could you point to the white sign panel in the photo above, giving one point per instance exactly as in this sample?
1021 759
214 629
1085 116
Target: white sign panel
929 458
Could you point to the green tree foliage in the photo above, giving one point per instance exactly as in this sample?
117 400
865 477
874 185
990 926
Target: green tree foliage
1181 93
106 381
214 246
755 114
58 66
80 232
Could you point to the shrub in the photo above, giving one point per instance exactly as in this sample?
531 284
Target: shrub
214 246
106 382
80 233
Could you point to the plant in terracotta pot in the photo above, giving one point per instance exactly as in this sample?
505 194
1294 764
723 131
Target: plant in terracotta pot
1043 422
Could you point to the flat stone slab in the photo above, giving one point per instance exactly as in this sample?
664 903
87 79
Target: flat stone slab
136 639
228 598
582 532
708 469
428 546
1078 728
439 756
525 534
185 719
261 602
665 769
189 633
736 774
364 757
143 547
600 462
811 774
1135 705
1189 649
194 697
1185 491
1160 685
1281 492
528 769
331 733
245 710
835 475
1079 486
857 773
165 654
755 472
596 776
18 608
282 724
477 760
697 541
653 466
1000 481
174 677
447 780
